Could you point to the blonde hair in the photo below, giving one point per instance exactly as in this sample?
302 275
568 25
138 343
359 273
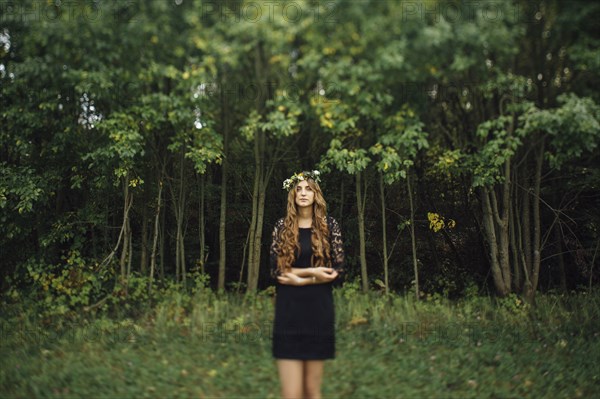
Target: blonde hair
320 231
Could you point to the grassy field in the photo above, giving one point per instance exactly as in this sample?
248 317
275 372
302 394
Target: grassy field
387 347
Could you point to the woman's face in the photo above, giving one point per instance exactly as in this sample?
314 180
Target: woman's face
305 195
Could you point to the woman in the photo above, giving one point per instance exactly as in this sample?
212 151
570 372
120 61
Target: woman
307 256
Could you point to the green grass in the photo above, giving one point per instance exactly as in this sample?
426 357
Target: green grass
387 347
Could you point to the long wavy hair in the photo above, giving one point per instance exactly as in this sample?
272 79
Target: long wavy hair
290 246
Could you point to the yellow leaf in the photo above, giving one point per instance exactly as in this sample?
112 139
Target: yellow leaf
358 320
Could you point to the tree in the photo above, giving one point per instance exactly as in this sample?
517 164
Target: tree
396 150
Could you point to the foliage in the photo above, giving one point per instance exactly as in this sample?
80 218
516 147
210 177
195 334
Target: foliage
106 103
437 222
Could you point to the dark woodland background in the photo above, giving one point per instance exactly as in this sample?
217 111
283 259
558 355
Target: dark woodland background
145 143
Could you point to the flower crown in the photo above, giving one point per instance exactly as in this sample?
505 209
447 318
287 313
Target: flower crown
288 184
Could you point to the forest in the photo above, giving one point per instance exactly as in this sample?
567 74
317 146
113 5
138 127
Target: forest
144 147
145 143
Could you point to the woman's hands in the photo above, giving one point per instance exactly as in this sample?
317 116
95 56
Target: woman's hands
321 275
290 278
325 274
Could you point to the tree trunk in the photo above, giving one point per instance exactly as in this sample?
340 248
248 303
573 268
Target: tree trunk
526 238
384 232
202 223
253 251
126 235
514 239
537 233
253 221
130 249
245 251
253 284
222 230
361 202
262 179
144 241
412 235
492 240
223 215
503 224
155 239
179 211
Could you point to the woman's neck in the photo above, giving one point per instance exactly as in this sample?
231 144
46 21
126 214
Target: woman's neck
305 216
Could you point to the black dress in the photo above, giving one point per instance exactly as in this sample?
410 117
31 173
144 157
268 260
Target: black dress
304 315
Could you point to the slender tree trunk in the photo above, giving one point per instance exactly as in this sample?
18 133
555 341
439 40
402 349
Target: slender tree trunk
180 205
182 259
514 239
256 244
537 228
258 172
177 253
361 202
384 232
222 230
253 222
491 238
501 228
202 223
527 251
162 227
130 249
179 211
412 235
503 224
123 260
156 230
144 240
223 215
258 236
245 252
126 234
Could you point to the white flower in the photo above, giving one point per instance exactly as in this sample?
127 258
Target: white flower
298 177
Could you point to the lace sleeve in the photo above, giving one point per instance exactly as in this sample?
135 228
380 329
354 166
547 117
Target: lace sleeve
274 249
337 251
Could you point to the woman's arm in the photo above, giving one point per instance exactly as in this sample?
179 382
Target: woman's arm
290 278
318 272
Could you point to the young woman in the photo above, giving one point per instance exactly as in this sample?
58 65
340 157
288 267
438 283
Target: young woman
307 256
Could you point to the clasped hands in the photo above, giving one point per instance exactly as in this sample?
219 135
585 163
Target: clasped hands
304 276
